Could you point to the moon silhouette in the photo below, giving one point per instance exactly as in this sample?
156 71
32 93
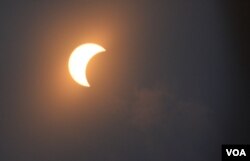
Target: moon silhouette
79 59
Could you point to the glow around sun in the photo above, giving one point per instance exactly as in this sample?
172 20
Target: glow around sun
79 59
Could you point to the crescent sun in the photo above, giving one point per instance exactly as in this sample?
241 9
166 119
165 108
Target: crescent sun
79 59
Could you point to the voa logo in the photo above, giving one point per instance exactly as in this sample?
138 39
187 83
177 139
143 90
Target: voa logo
236 152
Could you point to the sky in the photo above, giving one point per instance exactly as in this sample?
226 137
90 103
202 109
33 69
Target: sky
172 85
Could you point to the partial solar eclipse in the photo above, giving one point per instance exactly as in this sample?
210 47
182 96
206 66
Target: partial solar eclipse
79 59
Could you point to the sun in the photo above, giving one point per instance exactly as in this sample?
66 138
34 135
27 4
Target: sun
79 59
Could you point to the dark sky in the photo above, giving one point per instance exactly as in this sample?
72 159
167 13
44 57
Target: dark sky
172 85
